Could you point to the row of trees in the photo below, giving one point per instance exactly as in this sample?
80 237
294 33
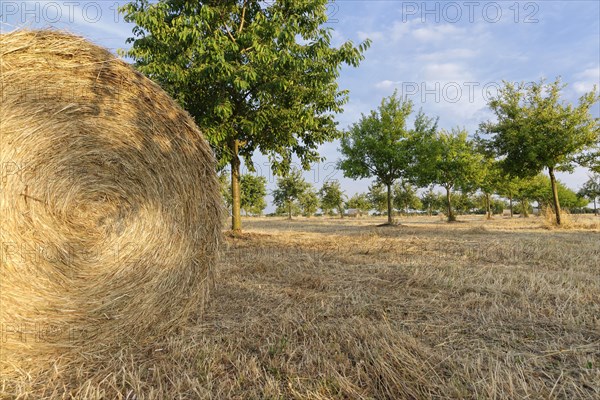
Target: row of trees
533 131
294 195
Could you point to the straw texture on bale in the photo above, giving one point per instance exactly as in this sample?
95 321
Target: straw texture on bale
110 207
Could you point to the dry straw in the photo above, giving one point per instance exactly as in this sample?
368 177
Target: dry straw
110 207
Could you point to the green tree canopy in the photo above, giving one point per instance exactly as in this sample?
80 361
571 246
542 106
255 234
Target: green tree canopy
308 201
450 160
378 196
405 196
508 187
332 197
464 202
431 201
225 186
535 130
591 190
255 75
290 189
360 201
539 189
491 180
254 190
379 146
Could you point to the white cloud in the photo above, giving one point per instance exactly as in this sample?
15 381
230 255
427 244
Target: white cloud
446 72
375 35
586 80
337 38
387 84
437 33
399 30
450 54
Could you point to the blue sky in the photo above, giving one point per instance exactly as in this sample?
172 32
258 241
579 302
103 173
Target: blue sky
447 57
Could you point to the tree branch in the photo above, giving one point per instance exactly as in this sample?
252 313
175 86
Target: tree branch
243 17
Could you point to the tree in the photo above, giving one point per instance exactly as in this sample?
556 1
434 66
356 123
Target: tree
490 182
540 190
531 189
332 197
255 75
290 189
377 196
591 158
508 187
568 198
405 197
448 159
254 190
308 201
378 145
591 190
535 130
359 201
283 209
224 185
464 202
431 201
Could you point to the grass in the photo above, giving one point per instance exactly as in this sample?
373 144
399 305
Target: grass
342 309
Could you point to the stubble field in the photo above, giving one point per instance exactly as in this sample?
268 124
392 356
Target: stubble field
323 308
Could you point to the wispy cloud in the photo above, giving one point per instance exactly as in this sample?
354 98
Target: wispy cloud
586 80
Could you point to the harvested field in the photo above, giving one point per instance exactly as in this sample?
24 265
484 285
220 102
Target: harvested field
322 308
330 309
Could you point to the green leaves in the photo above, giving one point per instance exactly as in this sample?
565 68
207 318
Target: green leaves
536 130
539 189
260 74
308 202
241 61
591 188
405 197
332 197
290 189
360 201
254 190
377 145
448 159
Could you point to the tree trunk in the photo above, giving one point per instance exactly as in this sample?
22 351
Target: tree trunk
236 219
525 207
510 201
555 195
595 208
488 209
451 216
289 209
389 203
341 208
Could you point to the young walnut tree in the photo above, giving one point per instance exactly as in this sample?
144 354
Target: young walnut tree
255 75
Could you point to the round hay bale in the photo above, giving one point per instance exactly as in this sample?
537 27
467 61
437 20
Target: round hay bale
110 207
